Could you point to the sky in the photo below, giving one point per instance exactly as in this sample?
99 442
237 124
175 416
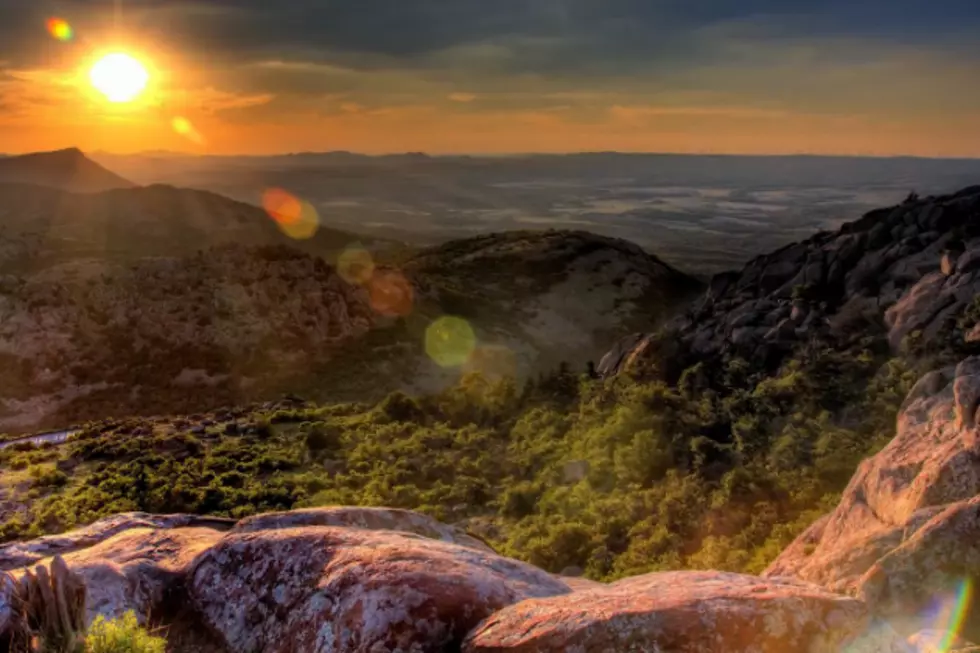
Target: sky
865 77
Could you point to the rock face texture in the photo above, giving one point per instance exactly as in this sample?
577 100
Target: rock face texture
685 611
906 533
138 570
347 590
914 268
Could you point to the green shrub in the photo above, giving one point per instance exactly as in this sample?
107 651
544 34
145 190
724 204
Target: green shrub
123 635
44 476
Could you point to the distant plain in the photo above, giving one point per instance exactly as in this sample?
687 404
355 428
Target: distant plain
703 214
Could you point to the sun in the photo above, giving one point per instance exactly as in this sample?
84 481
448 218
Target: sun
120 77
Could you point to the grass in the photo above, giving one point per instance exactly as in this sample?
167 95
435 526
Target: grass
123 635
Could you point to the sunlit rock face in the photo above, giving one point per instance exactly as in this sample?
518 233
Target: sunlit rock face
906 535
708 612
910 270
350 590
388 581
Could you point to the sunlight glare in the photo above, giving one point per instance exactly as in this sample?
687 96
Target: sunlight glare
120 77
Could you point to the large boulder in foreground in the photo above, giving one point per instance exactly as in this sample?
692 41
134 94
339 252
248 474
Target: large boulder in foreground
906 534
344 590
373 519
706 612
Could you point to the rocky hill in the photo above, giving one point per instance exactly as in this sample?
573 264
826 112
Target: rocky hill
548 297
68 170
161 300
907 273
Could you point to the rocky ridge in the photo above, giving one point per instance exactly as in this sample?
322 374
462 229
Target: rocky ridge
905 534
906 271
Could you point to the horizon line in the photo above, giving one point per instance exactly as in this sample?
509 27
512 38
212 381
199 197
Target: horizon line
494 155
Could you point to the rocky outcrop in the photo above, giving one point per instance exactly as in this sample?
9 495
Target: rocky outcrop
700 612
284 583
350 590
140 570
23 554
906 533
373 519
911 268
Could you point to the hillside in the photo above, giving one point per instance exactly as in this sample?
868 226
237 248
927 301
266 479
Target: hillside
42 228
158 299
68 170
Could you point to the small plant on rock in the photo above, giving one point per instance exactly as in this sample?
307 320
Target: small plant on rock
123 635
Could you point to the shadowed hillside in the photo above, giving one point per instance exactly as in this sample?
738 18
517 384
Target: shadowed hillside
67 170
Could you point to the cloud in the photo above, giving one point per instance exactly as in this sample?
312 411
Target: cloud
212 100
561 64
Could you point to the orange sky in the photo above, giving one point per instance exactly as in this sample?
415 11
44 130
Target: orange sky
826 96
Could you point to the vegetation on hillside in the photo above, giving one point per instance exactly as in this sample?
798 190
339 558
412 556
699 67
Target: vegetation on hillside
719 468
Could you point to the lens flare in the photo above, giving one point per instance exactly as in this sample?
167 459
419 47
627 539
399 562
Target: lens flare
295 218
186 128
391 294
449 341
60 29
355 265
951 614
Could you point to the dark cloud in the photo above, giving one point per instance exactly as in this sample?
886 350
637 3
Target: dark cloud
552 34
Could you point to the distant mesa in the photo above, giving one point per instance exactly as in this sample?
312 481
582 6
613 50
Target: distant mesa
68 170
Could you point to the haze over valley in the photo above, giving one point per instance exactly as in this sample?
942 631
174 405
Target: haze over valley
703 214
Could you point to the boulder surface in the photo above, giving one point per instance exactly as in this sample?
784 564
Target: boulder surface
686 611
348 590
